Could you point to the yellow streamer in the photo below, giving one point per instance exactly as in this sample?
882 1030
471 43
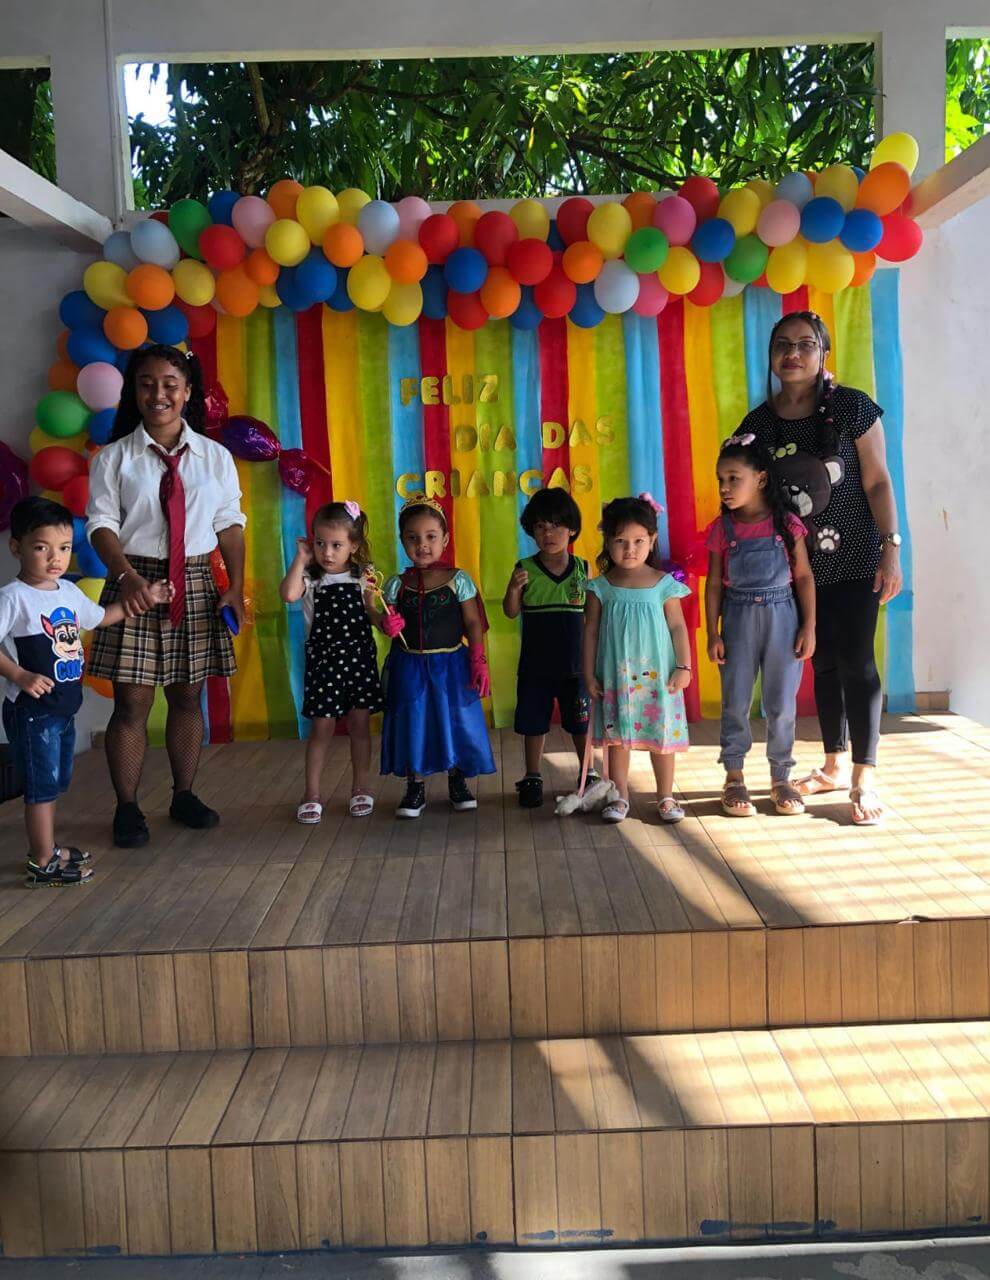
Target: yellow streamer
582 412
463 423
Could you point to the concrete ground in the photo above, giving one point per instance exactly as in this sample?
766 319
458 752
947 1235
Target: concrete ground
885 1260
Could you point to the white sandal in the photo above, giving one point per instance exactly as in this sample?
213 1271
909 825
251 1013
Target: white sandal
309 812
818 783
361 805
669 810
616 811
863 798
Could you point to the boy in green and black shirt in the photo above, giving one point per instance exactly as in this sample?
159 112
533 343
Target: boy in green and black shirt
548 589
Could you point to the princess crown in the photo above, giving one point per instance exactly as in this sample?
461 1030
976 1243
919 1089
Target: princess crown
421 500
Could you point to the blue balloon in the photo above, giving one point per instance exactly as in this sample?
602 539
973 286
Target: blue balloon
100 425
795 187
90 564
860 173
77 310
465 270
713 240
78 532
555 240
168 325
86 345
434 287
117 248
316 278
861 231
221 206
586 312
822 219
289 291
527 315
340 299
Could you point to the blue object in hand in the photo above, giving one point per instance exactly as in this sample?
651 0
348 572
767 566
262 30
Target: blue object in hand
230 618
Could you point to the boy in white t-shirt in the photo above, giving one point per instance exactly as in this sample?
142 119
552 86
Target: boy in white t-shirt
41 671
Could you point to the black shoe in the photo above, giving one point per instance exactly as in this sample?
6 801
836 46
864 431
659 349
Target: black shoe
191 811
459 791
530 791
56 875
129 827
413 802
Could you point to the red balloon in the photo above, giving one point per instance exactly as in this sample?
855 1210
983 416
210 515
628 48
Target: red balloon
494 234
710 287
702 195
54 466
75 495
202 320
761 282
439 237
572 219
296 470
529 261
221 247
555 295
902 238
161 215
13 482
466 309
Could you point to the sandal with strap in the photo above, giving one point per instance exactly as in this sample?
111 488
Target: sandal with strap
864 798
361 805
616 811
68 855
736 802
309 812
818 783
786 799
669 810
56 874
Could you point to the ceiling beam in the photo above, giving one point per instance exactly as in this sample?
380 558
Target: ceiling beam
953 188
35 202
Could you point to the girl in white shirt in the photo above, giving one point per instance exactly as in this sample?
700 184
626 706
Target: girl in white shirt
162 497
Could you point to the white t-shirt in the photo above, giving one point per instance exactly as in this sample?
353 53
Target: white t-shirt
312 585
40 631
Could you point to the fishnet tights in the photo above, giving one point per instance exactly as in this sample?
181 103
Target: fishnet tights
127 735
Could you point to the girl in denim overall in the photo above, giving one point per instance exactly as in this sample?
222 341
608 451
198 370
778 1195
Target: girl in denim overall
758 563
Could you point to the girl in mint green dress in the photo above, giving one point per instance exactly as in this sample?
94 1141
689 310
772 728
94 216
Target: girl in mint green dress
636 655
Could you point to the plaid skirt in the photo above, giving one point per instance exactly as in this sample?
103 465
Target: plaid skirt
146 650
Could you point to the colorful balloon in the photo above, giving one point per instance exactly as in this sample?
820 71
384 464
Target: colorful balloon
62 375
586 313
465 271
466 310
86 346
861 231
713 241
747 261
378 223
413 212
439 236
350 202
786 267
99 385
117 248
609 227
77 310
677 219
494 235
556 295
617 287
153 242
501 293
13 482
194 283
702 195
151 287
61 414
286 242
838 181
529 260
187 220
652 297
901 148
795 187
126 327
572 219
316 212
54 467
682 271
830 267
405 262
640 205
527 316
368 283
169 326
582 261
104 285
343 244
250 439
709 288
465 214
646 249
884 188
75 495
822 219
902 238
740 208
237 293
778 223
531 219
434 288
252 217
283 197
403 304
220 206
221 247
261 267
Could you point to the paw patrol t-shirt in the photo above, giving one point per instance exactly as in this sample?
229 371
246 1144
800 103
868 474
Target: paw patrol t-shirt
42 632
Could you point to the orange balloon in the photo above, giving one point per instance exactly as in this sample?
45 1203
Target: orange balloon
237 293
500 293
405 262
582 261
63 344
343 244
126 327
150 287
865 265
640 205
283 196
62 376
465 213
884 188
261 267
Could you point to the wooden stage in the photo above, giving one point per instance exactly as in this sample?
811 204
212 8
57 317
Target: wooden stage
502 1026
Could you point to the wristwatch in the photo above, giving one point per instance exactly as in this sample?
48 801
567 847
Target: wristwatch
891 539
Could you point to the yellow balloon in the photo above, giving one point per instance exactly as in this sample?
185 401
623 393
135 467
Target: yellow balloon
531 218
786 267
52 495
287 242
350 203
317 209
403 304
609 227
369 283
194 282
741 208
830 266
92 587
104 285
267 296
38 440
763 189
681 271
902 148
839 182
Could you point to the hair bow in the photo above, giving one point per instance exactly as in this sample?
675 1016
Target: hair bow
352 508
649 499
744 439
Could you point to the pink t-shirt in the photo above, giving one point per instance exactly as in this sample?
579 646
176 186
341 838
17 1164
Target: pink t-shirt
715 539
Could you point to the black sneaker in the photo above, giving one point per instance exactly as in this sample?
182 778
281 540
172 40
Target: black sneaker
413 802
459 791
129 827
56 875
191 811
530 791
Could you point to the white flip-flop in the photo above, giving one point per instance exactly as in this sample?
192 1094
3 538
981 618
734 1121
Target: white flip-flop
309 812
673 811
616 811
361 805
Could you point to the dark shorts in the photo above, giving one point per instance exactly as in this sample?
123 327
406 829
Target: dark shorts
42 746
535 699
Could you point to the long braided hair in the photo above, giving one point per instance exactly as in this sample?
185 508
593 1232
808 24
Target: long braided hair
828 434
746 450
129 415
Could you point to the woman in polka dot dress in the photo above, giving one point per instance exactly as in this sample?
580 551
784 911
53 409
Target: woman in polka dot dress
330 575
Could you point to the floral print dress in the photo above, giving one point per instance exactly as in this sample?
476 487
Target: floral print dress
635 661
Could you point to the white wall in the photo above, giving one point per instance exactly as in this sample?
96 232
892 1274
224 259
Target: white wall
34 274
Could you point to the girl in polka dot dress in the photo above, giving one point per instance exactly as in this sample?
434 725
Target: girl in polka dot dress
330 575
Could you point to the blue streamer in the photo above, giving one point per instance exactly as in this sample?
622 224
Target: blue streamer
645 416
407 419
293 504
761 311
526 413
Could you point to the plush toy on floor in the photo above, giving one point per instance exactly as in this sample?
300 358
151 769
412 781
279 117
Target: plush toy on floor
588 799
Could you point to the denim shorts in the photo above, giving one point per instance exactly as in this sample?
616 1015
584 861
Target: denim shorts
42 746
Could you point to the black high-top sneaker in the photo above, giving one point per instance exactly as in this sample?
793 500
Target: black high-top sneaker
413 802
459 791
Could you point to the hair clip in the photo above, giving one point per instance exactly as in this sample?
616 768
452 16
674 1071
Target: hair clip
649 499
352 508
743 440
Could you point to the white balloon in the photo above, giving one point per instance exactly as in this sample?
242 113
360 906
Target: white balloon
378 222
616 287
117 248
153 242
732 287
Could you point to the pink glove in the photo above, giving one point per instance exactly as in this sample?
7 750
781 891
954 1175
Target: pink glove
392 624
480 681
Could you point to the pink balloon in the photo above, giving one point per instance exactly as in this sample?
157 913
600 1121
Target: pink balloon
252 217
413 212
652 296
297 471
676 218
99 385
779 223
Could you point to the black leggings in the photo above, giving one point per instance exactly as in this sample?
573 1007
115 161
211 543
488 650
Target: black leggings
847 683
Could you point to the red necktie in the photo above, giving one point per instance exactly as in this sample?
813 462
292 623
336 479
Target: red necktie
173 500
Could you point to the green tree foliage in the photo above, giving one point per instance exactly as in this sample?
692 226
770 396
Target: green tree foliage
27 129
967 93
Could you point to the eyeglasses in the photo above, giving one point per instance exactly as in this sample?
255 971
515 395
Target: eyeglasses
804 346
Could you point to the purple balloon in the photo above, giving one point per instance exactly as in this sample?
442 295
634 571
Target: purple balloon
250 439
296 471
13 482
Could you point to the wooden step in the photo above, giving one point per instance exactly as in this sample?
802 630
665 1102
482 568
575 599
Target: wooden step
726 1135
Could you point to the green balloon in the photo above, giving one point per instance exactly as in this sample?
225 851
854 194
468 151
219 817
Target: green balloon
747 261
646 250
61 414
186 220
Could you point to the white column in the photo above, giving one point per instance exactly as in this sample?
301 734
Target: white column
911 79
